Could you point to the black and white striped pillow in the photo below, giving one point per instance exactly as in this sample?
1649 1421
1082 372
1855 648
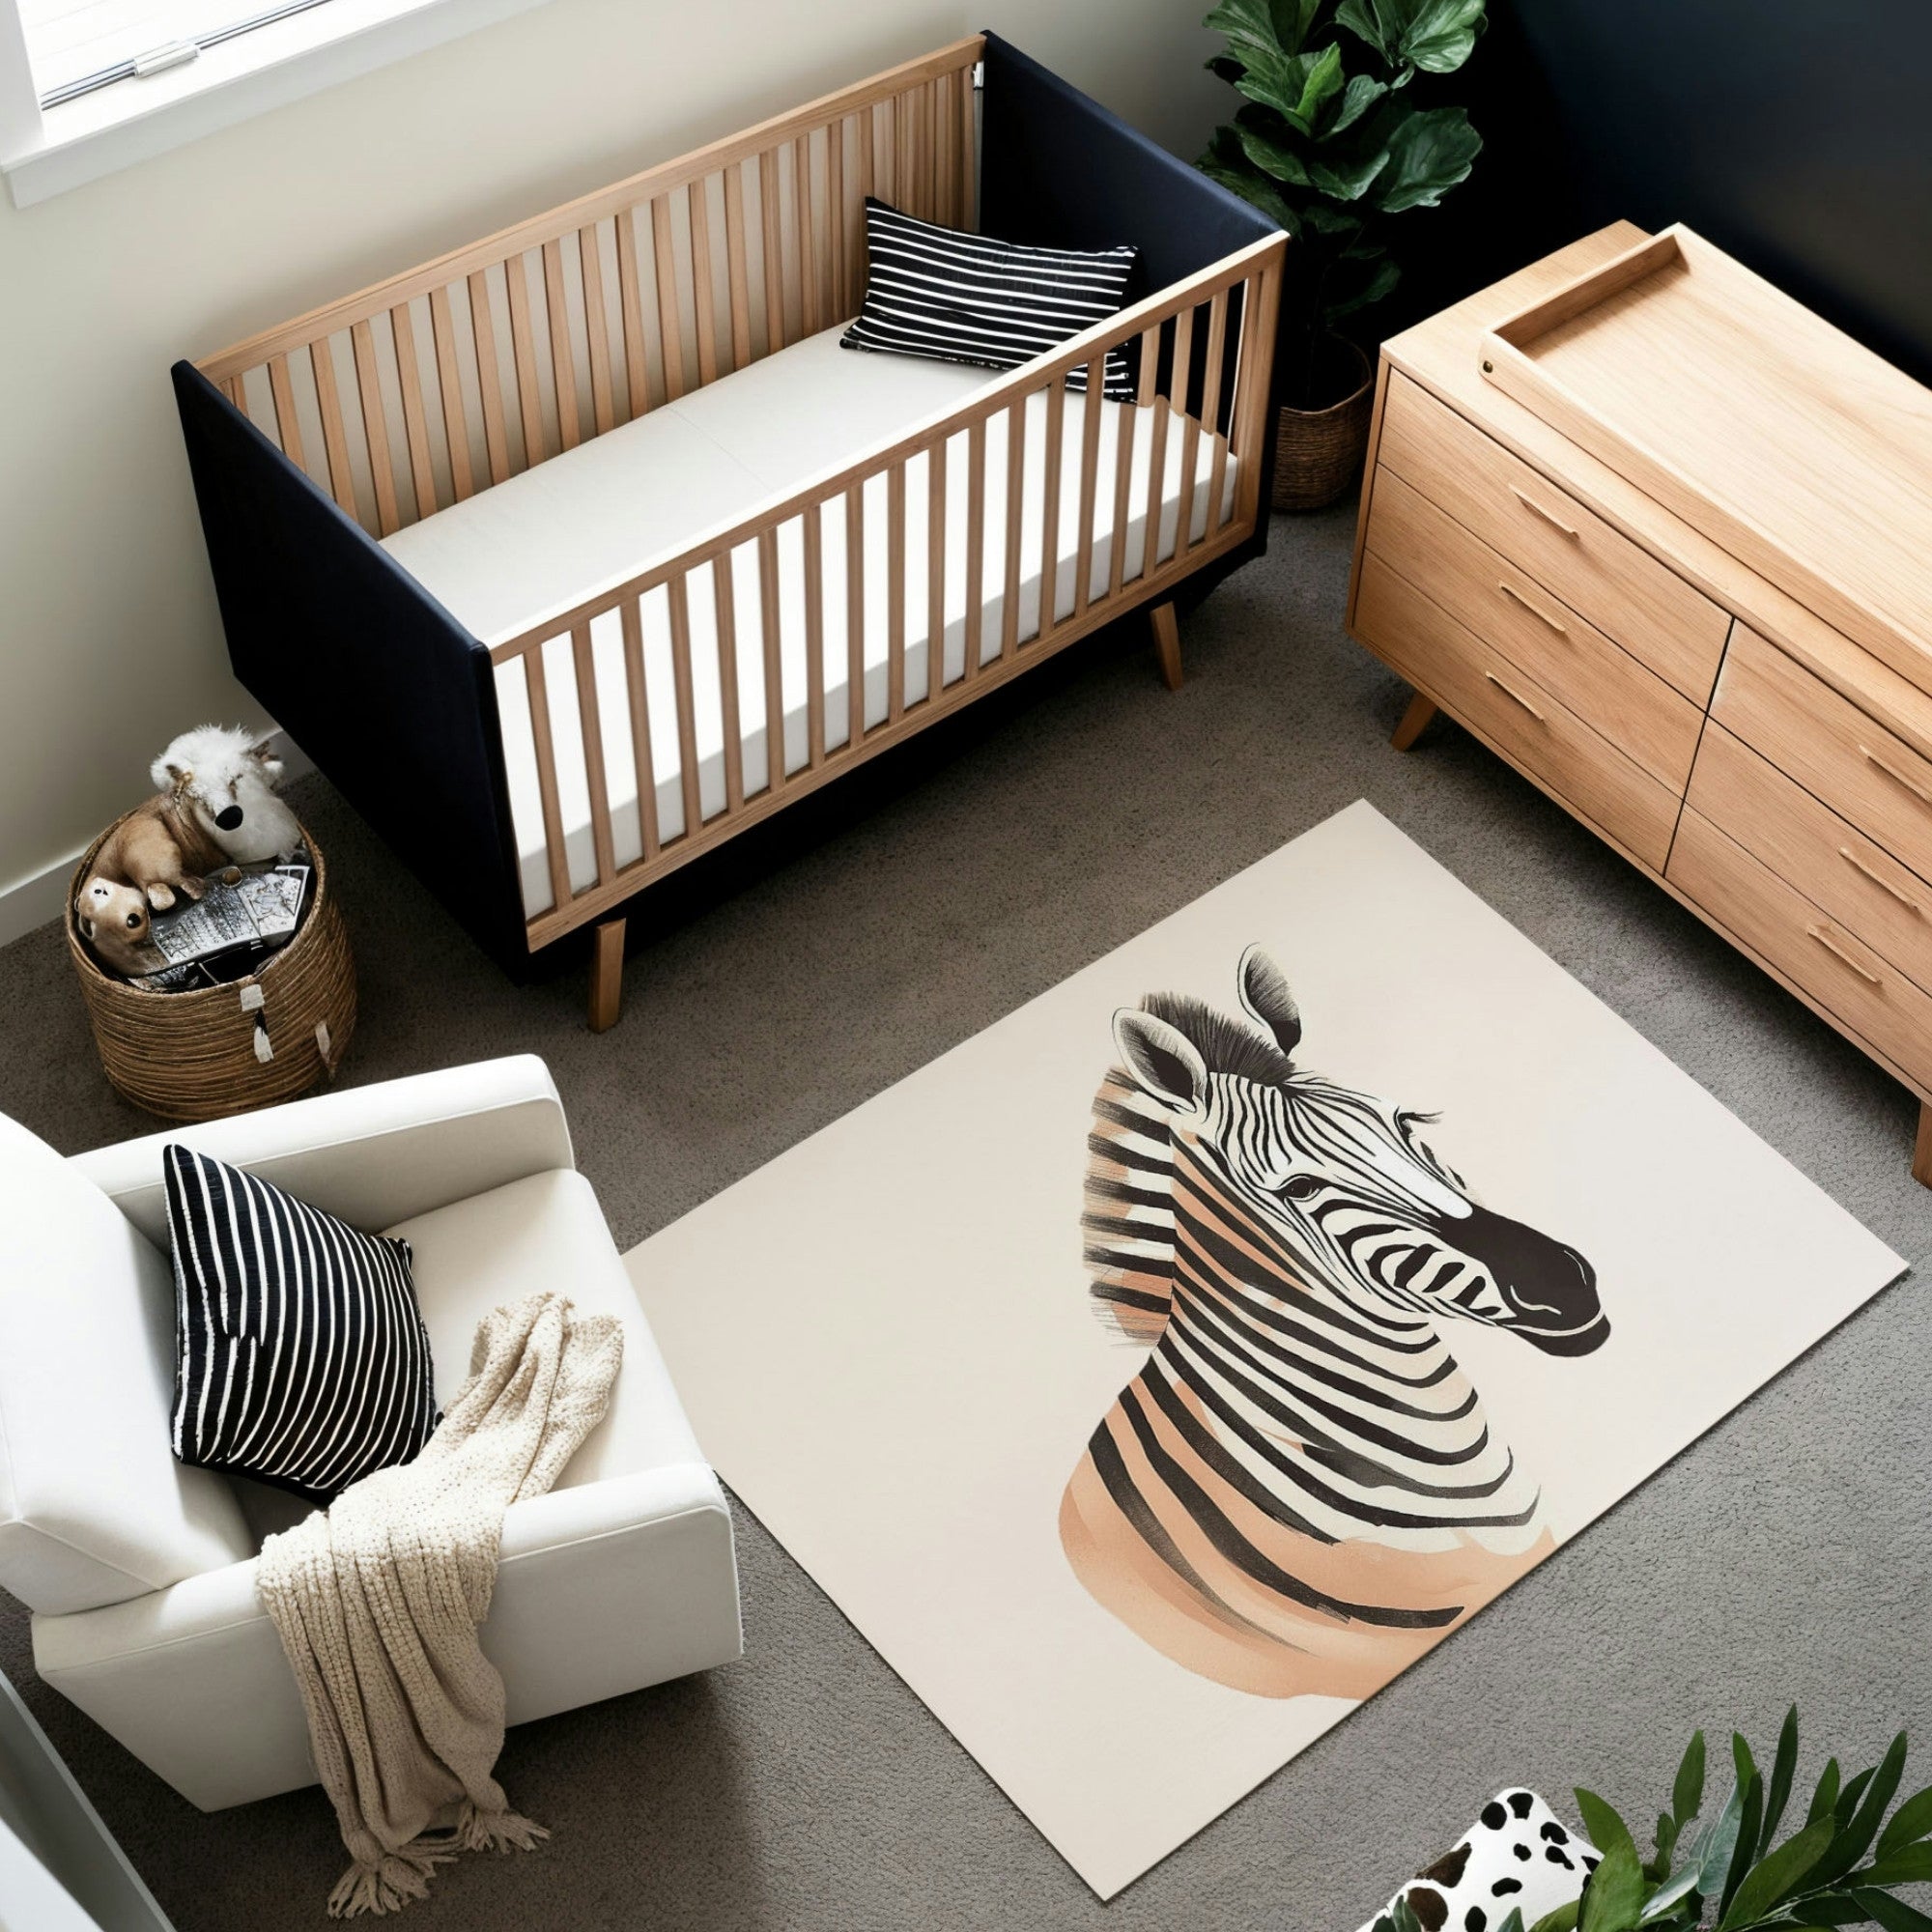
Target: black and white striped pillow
959 298
302 1357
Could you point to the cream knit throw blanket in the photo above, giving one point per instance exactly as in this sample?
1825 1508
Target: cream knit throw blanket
377 1603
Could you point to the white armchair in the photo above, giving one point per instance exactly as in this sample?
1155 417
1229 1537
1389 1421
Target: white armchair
141 1572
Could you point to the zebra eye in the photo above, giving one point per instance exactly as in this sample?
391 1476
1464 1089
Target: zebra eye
1303 1187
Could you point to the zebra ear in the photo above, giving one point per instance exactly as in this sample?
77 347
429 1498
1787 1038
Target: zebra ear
1162 1058
1266 995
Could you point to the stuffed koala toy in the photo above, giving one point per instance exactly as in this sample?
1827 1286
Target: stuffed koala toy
225 784
1516 1857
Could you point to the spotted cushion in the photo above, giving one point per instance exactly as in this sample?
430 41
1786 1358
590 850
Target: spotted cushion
1517 1855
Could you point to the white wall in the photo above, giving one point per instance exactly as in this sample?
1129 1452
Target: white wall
109 637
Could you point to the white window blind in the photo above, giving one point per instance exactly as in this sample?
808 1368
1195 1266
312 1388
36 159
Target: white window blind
76 45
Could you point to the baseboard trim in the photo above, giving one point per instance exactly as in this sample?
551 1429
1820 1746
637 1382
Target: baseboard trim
37 898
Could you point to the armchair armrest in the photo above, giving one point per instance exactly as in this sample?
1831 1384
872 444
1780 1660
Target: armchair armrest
376 1154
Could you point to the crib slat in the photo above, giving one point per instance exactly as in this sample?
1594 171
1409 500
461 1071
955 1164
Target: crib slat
1260 295
489 379
703 288
926 125
768 629
592 726
237 393
835 218
596 329
449 384
803 213
945 131
969 168
905 157
670 337
374 427
686 721
768 221
976 547
1050 527
631 300
1131 423
416 425
630 614
523 353
1190 429
867 119
812 530
725 601
855 615
555 853
1157 485
562 363
1009 601
937 458
1092 406
1211 408
896 624
736 273
287 428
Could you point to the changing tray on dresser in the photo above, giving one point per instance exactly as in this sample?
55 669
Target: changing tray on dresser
1655 534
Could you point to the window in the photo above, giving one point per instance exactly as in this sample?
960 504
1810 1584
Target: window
76 45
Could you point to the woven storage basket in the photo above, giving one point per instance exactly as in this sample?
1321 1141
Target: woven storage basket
192 1056
1317 453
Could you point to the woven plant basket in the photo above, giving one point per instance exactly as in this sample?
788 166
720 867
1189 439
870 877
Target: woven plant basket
192 1056
1317 453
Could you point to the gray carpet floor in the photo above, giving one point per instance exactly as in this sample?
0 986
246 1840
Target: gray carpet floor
1784 1557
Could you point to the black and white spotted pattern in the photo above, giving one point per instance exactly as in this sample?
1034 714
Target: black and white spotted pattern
1516 1855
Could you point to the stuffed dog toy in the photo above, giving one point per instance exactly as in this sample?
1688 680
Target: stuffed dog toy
156 853
225 784
113 920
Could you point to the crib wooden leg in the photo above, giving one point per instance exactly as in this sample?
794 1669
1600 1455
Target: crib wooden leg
1415 720
1166 643
1922 1152
607 974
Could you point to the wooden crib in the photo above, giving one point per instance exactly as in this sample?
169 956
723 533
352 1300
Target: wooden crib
584 726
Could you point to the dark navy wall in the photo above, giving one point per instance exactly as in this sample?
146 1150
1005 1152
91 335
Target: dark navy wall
1796 134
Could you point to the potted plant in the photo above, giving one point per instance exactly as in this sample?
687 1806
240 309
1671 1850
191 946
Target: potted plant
1330 142
1842 1865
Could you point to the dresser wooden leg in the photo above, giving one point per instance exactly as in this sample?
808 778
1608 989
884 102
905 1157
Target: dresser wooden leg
1166 643
1415 720
607 974
1922 1151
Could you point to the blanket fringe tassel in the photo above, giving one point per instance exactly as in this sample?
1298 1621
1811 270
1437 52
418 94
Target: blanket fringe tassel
391 1882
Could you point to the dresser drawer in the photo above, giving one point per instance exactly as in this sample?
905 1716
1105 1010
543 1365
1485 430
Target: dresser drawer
1513 712
1816 953
1595 569
1566 654
1832 864
1829 746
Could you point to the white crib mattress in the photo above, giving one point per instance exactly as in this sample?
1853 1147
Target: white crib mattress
588 519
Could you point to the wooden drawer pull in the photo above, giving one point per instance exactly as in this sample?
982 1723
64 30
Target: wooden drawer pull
1515 596
1549 517
1838 953
1515 697
1883 885
1897 778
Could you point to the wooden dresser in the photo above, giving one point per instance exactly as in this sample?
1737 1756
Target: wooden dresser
1654 657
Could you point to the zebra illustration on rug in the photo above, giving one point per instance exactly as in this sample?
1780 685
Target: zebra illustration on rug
1298 1492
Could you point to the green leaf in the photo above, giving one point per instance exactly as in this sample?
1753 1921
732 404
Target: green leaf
1744 1852
1249 26
1614 1895
1778 1794
1270 156
1252 187
1293 19
1601 1824
1293 85
1875 1790
1349 180
1357 97
1778 1877
1429 152
1380 281
1436 36
1911 1822
1562 1919
1893 1914
1825 1798
1911 1865
1741 1761
1513 1922
1687 1793
1833 1908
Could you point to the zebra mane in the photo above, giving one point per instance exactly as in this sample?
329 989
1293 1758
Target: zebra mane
1226 1044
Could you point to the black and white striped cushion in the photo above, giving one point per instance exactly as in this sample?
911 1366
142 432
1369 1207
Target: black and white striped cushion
958 298
302 1357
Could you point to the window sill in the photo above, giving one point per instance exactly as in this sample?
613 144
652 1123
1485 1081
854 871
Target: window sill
134 120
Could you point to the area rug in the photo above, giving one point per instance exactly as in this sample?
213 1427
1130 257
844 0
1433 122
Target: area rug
1154 1376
